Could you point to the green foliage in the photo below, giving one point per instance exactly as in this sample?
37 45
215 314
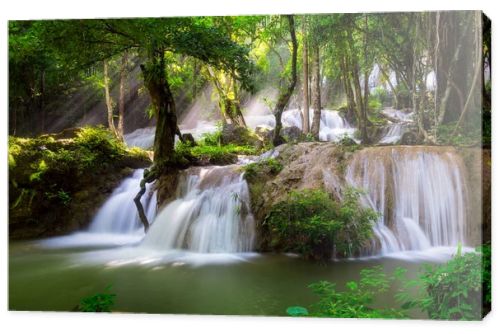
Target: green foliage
61 195
297 311
374 103
206 153
100 302
310 223
47 172
348 144
454 290
99 139
212 138
39 168
357 299
138 152
380 94
267 166
486 273
467 136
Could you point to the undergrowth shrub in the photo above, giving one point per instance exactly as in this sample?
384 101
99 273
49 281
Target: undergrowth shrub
457 290
355 301
100 302
312 224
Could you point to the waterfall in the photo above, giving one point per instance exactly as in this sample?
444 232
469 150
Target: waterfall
211 214
333 126
419 192
143 138
395 130
118 215
393 133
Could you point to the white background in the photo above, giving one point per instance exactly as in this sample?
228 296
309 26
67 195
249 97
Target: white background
50 322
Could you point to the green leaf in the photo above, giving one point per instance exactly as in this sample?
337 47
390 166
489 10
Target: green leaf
297 311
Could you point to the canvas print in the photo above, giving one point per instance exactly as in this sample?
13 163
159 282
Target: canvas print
329 165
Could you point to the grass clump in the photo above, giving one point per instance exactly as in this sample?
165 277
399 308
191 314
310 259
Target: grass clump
211 150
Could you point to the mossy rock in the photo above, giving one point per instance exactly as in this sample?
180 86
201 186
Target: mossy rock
55 185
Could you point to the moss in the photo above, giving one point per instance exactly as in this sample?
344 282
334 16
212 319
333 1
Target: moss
269 166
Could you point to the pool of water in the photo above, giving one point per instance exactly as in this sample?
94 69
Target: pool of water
53 276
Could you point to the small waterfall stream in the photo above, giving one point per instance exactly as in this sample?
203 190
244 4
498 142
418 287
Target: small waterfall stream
210 215
420 193
118 215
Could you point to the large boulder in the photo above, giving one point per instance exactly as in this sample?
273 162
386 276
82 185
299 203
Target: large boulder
265 133
238 135
188 138
410 138
234 134
292 134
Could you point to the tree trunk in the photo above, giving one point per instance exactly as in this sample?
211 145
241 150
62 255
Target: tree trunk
229 106
109 101
360 105
41 105
478 69
121 101
284 96
156 83
391 87
316 92
305 82
351 104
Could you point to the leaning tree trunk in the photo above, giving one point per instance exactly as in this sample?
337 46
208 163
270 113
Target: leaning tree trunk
387 79
229 106
316 92
305 81
109 101
285 95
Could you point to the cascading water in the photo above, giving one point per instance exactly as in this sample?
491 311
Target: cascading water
116 222
143 138
395 130
419 192
118 215
333 126
393 133
210 215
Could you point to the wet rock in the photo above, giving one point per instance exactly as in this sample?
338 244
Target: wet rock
188 138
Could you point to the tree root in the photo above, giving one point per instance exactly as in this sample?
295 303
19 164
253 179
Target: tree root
149 176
